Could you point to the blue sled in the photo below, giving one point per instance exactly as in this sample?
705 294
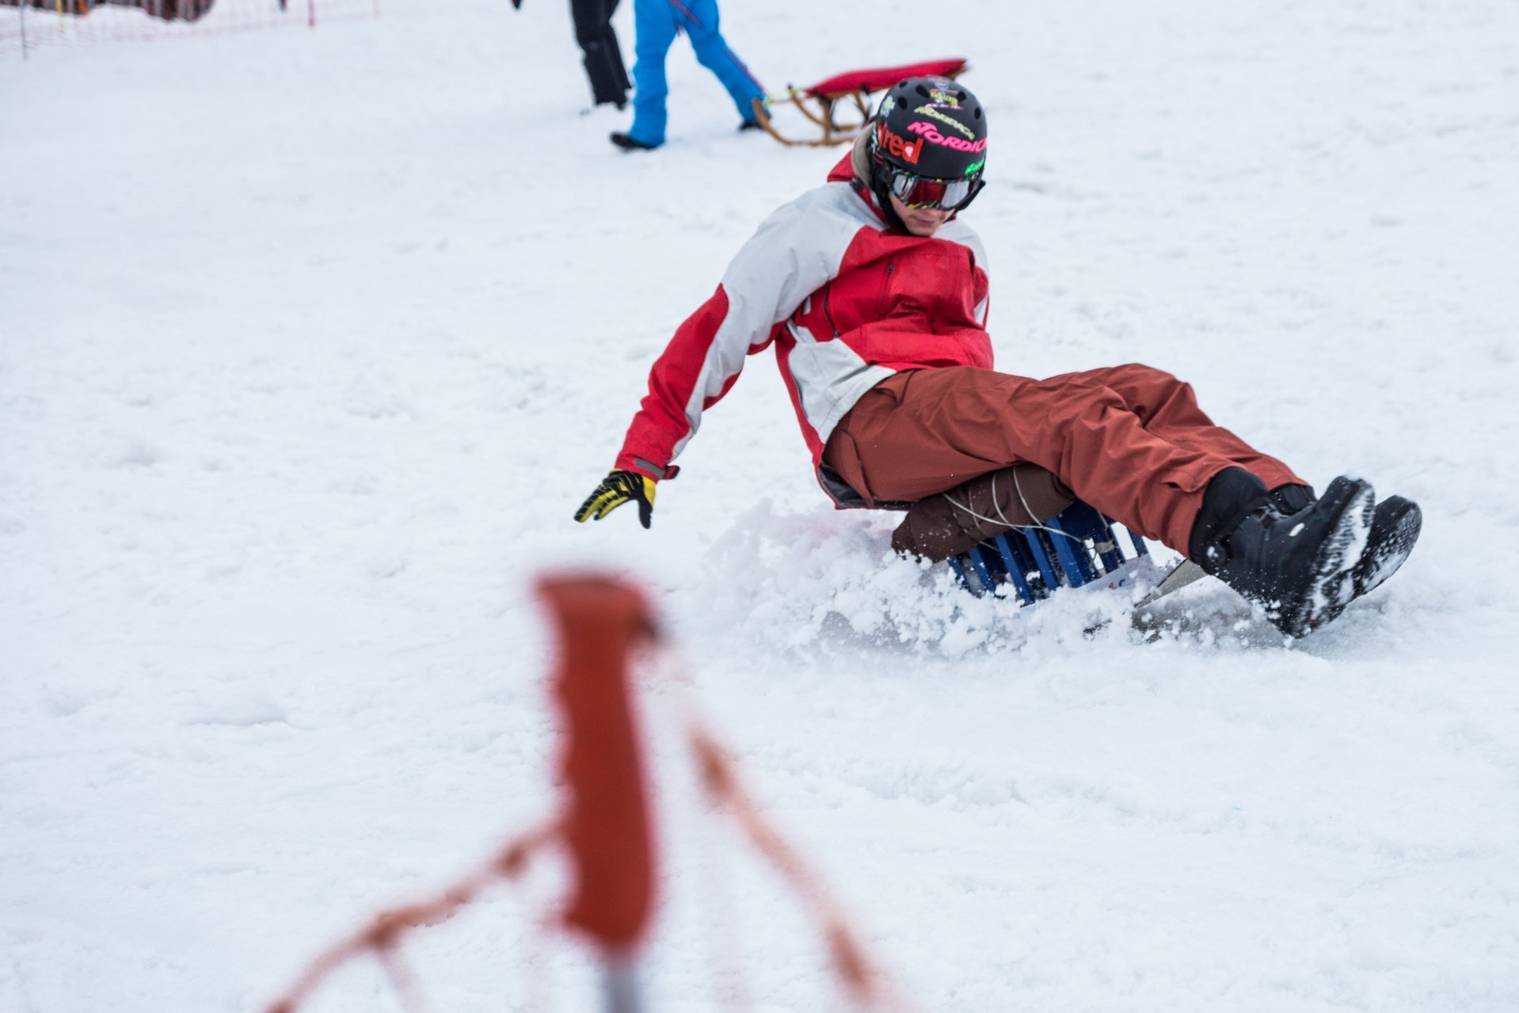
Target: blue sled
1073 548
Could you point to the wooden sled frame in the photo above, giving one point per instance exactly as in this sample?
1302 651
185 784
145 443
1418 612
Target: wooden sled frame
822 102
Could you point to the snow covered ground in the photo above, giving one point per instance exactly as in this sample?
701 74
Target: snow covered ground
311 342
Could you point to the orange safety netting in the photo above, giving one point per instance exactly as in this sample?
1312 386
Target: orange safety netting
603 822
167 10
40 24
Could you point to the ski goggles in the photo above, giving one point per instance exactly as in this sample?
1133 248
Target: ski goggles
924 192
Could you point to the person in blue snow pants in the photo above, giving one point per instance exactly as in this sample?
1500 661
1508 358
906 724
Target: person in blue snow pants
656 23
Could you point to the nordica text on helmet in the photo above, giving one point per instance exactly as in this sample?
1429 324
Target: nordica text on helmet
930 133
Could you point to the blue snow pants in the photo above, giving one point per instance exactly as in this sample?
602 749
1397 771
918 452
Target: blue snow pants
656 23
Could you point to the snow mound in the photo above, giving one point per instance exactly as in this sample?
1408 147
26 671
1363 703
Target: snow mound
800 583
824 579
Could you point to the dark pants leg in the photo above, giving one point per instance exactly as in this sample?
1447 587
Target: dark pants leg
603 57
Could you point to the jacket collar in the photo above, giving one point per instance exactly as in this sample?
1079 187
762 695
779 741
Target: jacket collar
854 169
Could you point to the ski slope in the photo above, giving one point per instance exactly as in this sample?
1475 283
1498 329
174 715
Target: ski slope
311 342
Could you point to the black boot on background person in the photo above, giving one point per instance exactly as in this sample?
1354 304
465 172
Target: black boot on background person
627 142
1296 565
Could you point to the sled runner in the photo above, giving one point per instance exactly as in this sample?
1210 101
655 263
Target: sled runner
821 102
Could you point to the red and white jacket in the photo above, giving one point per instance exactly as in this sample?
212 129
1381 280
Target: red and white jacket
845 302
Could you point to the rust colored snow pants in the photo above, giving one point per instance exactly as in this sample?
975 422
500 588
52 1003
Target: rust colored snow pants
1129 440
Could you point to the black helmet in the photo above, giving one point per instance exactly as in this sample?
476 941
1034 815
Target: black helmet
928 130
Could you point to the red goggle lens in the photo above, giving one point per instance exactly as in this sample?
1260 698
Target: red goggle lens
921 192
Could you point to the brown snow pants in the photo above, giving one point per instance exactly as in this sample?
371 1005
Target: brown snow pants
1129 440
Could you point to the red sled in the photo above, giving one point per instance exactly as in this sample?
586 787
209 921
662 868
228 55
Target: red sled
820 102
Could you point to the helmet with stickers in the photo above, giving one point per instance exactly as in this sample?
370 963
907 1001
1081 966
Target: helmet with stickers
928 144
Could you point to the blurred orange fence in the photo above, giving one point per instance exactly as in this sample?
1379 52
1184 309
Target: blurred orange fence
35 24
605 823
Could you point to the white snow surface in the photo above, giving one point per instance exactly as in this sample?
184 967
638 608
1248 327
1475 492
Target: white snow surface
311 342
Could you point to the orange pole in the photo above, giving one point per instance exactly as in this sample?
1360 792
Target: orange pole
607 828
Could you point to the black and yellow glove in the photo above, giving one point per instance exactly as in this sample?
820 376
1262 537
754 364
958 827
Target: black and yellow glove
617 488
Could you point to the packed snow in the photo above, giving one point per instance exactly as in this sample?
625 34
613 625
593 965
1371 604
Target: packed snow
312 341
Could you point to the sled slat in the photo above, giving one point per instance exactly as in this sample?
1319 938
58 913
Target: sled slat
1077 570
872 79
1016 568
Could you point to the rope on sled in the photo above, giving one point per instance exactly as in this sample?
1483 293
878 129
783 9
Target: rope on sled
1001 518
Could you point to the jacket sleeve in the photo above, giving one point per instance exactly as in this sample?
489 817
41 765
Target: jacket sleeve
782 264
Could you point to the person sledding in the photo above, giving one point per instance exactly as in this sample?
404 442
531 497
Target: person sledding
873 291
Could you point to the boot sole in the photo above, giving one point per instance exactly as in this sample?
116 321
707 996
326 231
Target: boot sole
1382 561
1333 585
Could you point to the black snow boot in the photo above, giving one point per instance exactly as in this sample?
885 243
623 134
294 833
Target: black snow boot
1394 529
1296 565
1289 499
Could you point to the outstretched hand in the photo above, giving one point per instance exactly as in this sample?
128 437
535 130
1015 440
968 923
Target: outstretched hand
617 488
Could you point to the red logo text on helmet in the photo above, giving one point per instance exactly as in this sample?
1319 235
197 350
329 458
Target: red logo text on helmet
931 134
900 147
